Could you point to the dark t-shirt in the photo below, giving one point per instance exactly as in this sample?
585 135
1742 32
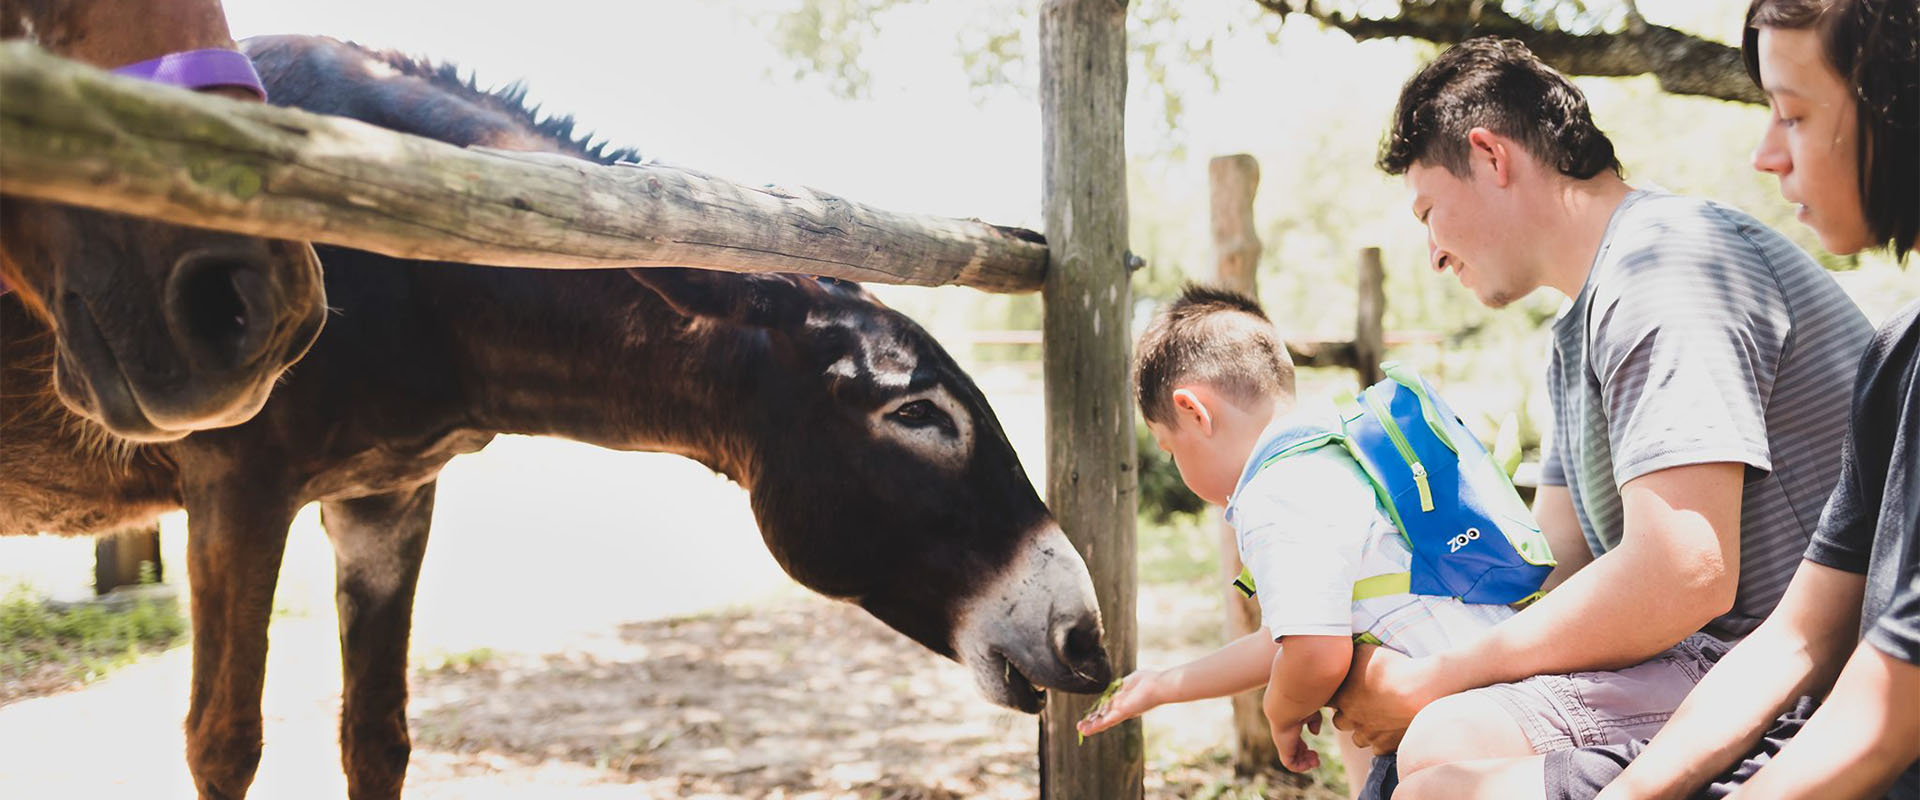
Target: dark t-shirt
1871 525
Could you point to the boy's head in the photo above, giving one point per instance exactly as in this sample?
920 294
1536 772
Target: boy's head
1482 134
1209 372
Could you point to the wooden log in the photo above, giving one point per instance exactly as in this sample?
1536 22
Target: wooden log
1091 483
74 134
1233 181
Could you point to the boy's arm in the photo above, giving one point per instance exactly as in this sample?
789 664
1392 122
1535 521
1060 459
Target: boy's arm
1676 568
1305 674
1239 666
1797 651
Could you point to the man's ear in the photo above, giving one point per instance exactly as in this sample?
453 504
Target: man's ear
1486 147
1188 405
761 300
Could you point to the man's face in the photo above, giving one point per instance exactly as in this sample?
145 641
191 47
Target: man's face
1467 231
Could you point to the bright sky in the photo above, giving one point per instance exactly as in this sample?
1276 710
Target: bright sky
697 84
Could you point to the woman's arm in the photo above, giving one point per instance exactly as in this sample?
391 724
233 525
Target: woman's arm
1797 651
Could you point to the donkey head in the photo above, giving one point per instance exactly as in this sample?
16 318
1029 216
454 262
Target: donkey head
161 329
879 475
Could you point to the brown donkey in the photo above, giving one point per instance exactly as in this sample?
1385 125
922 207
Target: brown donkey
159 329
876 470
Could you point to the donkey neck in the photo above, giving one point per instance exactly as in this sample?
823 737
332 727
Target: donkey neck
114 33
595 357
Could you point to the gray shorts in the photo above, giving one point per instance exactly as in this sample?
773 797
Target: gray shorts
1588 709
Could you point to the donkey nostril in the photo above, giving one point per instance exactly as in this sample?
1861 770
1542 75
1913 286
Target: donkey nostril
210 308
1080 644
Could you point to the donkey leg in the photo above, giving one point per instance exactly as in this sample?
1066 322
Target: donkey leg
378 543
236 537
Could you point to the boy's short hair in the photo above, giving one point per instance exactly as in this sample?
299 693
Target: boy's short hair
1214 336
1875 46
1497 84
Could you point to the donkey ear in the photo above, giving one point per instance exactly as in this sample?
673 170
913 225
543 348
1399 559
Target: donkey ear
761 300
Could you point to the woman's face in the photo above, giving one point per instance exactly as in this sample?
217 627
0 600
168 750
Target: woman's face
1811 143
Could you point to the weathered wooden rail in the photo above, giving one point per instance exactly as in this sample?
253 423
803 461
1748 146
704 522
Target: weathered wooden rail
74 134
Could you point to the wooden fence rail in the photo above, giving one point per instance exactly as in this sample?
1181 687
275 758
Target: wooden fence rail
74 134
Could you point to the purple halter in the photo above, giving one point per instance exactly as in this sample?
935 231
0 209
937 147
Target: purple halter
193 69
199 69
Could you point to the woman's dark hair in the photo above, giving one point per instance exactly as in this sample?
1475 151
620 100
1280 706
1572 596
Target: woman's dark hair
1875 46
1499 85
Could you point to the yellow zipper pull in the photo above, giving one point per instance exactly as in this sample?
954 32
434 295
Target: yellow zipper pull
1420 482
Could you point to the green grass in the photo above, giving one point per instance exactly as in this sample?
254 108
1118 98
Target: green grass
39 643
1183 548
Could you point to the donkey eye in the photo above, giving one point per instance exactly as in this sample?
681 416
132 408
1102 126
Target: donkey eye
920 414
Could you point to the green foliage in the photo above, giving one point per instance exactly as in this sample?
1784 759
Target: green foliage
90 639
1163 495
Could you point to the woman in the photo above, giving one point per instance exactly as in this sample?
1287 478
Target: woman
1843 80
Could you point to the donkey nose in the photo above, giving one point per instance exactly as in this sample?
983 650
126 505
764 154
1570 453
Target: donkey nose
214 303
1076 643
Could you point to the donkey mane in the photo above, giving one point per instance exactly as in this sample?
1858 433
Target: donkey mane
510 100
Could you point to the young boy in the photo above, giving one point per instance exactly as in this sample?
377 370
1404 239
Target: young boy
1216 388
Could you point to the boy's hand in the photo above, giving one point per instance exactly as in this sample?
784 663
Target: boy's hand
1295 755
1135 697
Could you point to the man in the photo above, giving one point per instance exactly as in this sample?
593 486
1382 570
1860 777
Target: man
1698 418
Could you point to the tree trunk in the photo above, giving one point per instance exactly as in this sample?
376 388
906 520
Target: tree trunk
1233 181
70 133
1091 484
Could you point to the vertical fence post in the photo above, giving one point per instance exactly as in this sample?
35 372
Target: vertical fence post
1232 182
1091 482
1369 338
117 557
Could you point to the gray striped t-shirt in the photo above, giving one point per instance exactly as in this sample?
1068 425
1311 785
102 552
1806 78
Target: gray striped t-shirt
1703 336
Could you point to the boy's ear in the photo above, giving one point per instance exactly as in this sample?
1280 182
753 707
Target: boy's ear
1188 405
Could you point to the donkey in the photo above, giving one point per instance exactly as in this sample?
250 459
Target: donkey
160 329
875 468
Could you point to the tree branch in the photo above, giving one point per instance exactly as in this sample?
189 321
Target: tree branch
1682 62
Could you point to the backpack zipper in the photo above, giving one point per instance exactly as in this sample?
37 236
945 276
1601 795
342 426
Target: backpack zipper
1385 416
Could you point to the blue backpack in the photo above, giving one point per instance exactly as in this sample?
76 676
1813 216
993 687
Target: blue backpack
1471 536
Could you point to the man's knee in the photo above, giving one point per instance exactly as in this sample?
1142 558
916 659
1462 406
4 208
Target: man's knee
1463 727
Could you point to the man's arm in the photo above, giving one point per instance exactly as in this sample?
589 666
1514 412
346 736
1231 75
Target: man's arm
1860 740
1553 511
1798 650
1676 568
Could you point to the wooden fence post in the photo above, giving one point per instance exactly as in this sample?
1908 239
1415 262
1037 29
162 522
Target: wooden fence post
1091 483
117 558
1369 338
1233 181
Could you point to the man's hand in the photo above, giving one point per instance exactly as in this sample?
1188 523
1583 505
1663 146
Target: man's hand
1382 693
